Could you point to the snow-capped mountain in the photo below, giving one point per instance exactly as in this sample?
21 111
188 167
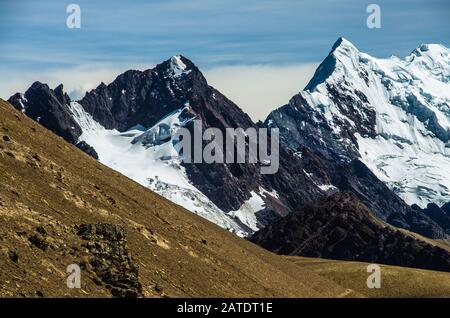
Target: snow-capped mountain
130 125
393 114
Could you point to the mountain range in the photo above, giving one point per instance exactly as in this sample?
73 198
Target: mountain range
377 129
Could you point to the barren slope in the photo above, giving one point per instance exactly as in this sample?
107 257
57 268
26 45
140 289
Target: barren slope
49 188
139 244
395 281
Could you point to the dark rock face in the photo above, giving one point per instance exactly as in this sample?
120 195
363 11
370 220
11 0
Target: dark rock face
341 227
302 125
49 108
438 214
84 146
229 185
446 208
110 259
358 179
142 97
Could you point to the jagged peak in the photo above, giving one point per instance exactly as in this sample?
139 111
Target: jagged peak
59 87
177 65
433 58
177 62
102 85
38 85
342 44
343 53
61 95
59 90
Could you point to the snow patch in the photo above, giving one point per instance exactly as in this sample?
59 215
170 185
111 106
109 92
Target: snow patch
247 212
177 66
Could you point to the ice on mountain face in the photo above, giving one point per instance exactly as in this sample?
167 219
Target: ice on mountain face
246 213
415 174
327 187
177 66
163 131
155 165
394 113
411 152
194 201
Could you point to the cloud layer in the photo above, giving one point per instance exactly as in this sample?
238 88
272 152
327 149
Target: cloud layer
259 89
76 80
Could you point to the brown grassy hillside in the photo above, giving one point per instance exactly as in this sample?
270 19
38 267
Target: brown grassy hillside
58 206
395 281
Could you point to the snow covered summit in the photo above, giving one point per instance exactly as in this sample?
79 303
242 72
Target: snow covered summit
392 113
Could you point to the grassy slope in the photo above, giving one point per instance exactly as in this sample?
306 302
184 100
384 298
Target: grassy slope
395 281
46 181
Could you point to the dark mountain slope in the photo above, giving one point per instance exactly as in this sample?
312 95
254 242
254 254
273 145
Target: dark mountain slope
49 108
341 227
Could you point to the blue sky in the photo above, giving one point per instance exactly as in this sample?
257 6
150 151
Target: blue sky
115 35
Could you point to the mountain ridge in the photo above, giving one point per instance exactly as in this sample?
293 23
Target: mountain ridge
168 97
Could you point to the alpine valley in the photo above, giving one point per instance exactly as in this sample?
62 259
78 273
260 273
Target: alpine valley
364 154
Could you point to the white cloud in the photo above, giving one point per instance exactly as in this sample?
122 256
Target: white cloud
76 80
257 89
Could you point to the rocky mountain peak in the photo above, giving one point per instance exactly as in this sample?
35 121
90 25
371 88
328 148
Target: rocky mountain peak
178 66
342 59
431 50
433 59
50 108
144 97
129 123
342 46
